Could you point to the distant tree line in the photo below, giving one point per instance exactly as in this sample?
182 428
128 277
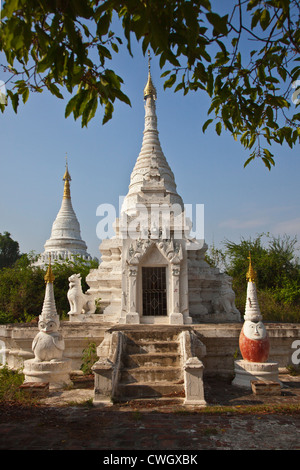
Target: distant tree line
22 285
9 250
277 265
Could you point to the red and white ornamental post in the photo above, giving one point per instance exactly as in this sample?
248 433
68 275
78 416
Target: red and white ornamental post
254 342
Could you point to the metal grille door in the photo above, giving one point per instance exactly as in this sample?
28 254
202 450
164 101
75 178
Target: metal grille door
154 291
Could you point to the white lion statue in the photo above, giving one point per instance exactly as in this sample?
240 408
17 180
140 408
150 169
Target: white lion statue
225 301
80 303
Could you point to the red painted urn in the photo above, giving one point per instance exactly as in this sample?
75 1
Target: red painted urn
254 342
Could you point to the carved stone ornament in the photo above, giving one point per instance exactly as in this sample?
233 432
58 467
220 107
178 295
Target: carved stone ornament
176 272
169 249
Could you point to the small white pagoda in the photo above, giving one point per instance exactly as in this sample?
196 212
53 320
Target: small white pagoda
254 343
153 270
49 364
65 241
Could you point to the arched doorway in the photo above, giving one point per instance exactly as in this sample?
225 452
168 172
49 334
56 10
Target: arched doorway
154 291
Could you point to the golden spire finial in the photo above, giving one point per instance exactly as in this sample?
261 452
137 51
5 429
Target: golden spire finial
67 179
251 274
149 89
49 276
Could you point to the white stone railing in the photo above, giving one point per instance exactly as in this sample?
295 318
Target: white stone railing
107 368
192 368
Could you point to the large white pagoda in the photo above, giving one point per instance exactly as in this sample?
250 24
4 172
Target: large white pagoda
153 270
65 241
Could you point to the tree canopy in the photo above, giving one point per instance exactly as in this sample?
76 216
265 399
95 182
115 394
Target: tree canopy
22 287
275 260
246 61
277 265
9 250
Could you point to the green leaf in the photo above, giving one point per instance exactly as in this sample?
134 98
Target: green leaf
249 160
71 30
265 19
86 31
103 53
108 112
268 159
255 18
89 111
25 95
103 24
261 73
14 100
219 128
44 64
113 79
170 82
206 124
179 87
9 8
55 90
266 162
71 105
252 141
252 4
122 97
219 23
114 47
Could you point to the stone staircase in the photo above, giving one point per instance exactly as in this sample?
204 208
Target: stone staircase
149 363
151 366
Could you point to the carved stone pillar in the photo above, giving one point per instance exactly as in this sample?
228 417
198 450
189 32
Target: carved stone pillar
176 317
132 315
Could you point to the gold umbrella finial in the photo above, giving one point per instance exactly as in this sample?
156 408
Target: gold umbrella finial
49 276
251 274
67 179
149 89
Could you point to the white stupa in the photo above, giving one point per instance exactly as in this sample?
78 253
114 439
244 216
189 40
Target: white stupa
254 369
65 241
154 270
152 179
48 364
252 310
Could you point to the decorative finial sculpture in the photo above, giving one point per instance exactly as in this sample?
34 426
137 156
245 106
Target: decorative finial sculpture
49 276
251 274
253 341
252 311
48 345
67 179
149 89
48 364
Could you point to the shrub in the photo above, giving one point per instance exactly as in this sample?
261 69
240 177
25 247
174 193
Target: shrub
278 274
22 288
10 382
89 358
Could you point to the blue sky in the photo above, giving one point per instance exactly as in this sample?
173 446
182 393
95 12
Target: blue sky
208 168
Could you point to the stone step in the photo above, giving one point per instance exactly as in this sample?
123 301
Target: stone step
151 366
150 360
155 402
153 335
150 374
151 347
131 391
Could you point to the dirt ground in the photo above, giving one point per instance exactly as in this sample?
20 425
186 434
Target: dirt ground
141 429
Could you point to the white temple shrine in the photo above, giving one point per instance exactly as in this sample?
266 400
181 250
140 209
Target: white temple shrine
65 241
167 319
153 270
